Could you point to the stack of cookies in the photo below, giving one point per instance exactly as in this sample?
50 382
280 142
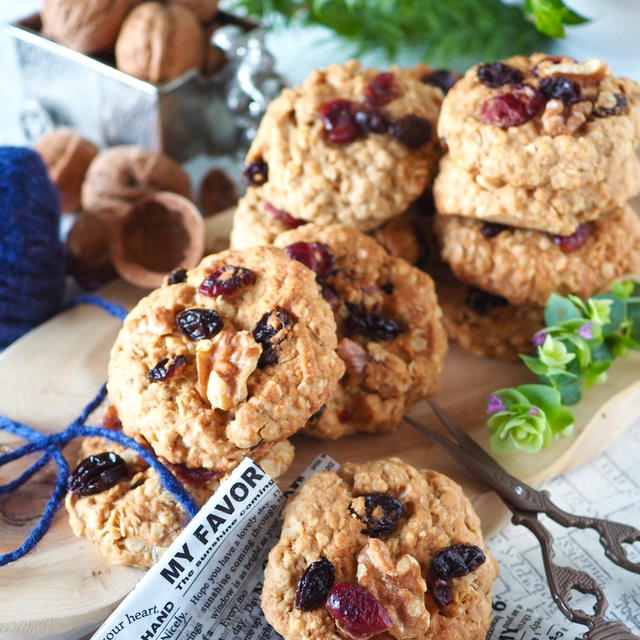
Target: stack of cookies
532 193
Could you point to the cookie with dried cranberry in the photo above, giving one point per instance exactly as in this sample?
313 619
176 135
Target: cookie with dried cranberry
541 121
228 360
390 333
348 145
526 267
257 222
459 192
379 536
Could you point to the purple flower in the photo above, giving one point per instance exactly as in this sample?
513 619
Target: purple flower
538 338
494 404
534 411
585 330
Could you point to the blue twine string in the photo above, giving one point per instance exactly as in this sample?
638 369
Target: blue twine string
51 446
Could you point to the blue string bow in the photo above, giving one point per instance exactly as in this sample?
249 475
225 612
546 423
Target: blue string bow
51 446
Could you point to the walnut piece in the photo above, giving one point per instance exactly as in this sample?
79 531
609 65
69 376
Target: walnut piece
591 69
204 9
224 365
399 587
354 356
560 120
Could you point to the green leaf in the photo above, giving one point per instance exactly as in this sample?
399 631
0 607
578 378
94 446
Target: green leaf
601 353
623 288
569 16
570 392
542 396
596 373
617 312
534 364
559 309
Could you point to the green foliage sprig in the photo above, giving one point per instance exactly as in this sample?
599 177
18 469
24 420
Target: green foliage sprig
574 350
437 30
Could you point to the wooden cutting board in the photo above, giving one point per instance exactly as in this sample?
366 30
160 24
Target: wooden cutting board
63 588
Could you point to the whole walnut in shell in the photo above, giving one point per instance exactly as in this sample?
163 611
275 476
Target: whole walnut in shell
204 9
67 156
120 176
87 26
158 42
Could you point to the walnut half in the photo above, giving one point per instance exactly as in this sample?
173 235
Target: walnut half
560 120
399 587
224 365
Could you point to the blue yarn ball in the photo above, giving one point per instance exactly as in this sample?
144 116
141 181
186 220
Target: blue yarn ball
32 266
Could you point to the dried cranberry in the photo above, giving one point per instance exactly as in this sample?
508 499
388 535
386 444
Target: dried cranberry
381 513
177 276
601 111
482 302
371 120
514 106
270 331
330 295
339 122
166 369
314 584
412 130
194 476
314 255
226 281
382 89
256 172
443 78
492 229
457 560
575 240
98 473
344 415
356 611
287 220
439 589
371 325
497 74
199 324
562 88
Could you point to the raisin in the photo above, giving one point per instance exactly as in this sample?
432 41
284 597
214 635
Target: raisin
314 584
492 229
442 78
562 88
482 302
166 369
270 331
226 281
387 287
256 172
339 121
371 120
497 74
412 130
621 104
372 325
194 476
98 473
356 611
439 589
382 89
287 220
575 240
457 560
199 324
177 276
515 106
314 255
381 513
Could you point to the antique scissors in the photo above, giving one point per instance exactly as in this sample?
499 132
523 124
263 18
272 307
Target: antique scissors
526 503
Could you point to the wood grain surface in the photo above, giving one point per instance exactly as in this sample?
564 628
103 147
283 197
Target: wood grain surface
63 589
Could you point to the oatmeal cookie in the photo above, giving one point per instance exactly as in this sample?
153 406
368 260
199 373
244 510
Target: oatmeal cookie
541 121
459 192
257 222
136 519
339 516
527 266
390 333
349 145
225 360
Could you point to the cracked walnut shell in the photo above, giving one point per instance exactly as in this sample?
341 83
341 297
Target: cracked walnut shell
158 42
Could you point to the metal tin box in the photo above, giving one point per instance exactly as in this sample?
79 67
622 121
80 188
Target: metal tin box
62 87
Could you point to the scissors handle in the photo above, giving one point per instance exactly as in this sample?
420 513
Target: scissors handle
613 535
563 580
